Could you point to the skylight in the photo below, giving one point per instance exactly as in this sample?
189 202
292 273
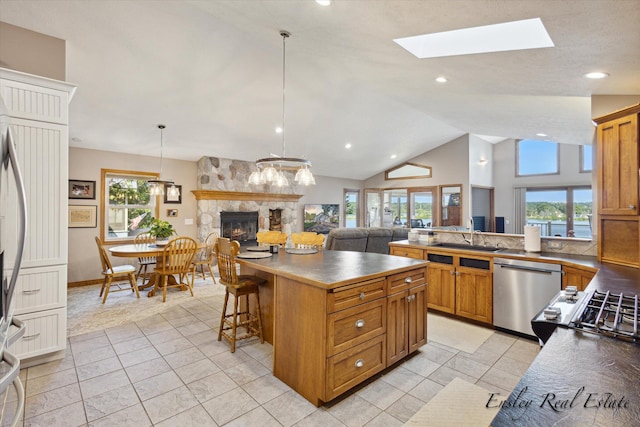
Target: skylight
516 35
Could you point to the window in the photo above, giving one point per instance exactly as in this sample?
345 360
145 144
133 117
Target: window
421 204
351 208
395 208
535 157
127 207
586 158
561 211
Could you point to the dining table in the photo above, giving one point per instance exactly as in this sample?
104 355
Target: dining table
138 250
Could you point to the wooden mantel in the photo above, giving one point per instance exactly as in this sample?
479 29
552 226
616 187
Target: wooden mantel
242 195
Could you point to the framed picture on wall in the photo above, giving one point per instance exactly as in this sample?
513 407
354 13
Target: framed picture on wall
172 199
82 189
82 216
321 218
172 212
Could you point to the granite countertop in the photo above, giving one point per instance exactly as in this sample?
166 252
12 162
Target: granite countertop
578 379
330 269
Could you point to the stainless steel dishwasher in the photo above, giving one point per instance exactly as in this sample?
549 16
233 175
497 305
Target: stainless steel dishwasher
520 290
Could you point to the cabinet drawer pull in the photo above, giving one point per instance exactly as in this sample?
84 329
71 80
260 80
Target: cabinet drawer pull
359 363
452 273
407 280
30 337
632 206
359 323
411 298
31 291
361 296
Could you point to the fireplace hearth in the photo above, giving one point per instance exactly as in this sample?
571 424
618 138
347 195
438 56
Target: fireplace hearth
240 226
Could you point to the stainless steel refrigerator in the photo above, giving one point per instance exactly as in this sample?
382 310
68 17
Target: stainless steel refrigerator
12 241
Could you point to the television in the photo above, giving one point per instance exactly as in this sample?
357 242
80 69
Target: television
321 218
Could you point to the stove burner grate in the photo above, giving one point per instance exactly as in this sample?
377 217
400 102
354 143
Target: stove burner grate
610 314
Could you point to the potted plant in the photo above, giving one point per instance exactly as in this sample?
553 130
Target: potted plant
161 230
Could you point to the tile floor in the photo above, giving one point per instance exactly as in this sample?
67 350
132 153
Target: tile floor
169 370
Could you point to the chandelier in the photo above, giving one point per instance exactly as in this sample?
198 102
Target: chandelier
271 169
156 186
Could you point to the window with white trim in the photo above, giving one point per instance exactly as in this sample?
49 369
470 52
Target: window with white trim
127 206
534 157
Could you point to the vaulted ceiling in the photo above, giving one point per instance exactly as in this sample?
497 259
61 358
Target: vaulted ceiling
212 72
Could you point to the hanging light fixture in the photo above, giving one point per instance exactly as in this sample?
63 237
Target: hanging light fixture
270 169
156 186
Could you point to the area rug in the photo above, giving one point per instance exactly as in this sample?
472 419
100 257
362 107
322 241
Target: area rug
458 404
454 333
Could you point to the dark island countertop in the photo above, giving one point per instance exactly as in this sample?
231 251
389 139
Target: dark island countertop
331 269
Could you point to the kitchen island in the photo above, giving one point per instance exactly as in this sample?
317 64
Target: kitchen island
336 318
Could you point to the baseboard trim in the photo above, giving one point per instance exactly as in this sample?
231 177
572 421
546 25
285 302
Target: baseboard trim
84 283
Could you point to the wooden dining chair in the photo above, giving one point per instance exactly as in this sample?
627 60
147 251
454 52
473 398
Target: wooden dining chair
176 260
307 239
266 238
117 274
205 256
144 262
239 286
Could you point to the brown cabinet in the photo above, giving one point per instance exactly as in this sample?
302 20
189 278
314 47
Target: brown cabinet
329 340
618 186
578 277
442 287
406 252
406 314
474 294
461 285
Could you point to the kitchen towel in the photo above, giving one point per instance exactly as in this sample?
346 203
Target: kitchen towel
531 238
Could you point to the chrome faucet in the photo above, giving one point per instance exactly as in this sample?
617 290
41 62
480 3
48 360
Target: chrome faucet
470 239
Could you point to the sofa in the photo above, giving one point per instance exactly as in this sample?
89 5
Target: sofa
373 239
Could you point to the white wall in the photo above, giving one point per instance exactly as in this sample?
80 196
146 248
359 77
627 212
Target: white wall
504 176
450 166
86 165
480 174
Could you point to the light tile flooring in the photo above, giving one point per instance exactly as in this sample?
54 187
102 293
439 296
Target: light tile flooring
169 370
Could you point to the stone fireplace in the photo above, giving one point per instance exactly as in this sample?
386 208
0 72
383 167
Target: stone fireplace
222 187
240 226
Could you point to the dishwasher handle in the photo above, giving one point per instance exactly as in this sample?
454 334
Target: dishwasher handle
532 269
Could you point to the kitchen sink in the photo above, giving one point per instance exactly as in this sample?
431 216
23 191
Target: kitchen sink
469 247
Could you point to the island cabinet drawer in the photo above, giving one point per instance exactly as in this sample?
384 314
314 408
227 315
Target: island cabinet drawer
408 252
355 325
355 294
403 281
355 365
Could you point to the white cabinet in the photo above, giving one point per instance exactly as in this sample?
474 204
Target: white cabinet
38 110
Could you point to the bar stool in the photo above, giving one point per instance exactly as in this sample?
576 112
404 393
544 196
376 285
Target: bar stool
239 286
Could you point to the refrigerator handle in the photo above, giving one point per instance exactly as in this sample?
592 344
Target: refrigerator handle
22 227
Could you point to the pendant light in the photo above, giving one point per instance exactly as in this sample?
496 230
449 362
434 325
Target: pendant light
270 169
156 186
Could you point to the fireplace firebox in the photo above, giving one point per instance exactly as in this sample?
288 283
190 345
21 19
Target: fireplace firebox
240 226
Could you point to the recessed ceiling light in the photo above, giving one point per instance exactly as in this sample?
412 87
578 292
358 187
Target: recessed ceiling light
596 75
324 2
541 134
278 129
393 156
441 79
347 145
516 35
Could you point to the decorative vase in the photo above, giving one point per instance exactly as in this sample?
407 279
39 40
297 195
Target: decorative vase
161 241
